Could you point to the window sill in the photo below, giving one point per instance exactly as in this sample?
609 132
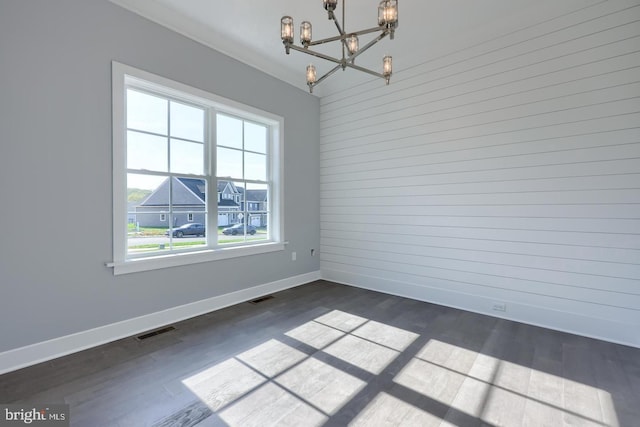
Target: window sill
178 259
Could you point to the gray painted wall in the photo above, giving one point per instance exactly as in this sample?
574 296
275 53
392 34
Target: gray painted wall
504 173
55 160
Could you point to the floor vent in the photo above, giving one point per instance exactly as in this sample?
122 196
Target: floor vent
156 332
262 299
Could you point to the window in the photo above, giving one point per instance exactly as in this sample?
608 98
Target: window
176 148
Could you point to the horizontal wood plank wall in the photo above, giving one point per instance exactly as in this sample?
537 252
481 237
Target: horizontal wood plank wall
508 172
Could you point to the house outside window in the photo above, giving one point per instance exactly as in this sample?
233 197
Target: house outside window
181 147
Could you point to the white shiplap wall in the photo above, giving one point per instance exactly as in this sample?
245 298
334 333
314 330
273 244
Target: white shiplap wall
506 172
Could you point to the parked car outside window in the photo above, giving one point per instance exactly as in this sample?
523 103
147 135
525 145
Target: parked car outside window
239 229
193 229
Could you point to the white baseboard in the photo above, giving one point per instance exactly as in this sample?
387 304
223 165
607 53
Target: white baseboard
592 327
14 359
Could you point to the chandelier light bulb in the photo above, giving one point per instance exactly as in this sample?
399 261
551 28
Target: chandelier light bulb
387 68
286 29
311 74
388 14
305 33
352 43
391 12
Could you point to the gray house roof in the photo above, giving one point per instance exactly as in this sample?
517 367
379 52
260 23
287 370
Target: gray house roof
186 192
223 184
189 192
256 195
197 186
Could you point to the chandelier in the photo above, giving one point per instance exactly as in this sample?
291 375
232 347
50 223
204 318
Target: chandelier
387 24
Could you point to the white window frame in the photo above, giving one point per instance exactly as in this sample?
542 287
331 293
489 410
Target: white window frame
124 76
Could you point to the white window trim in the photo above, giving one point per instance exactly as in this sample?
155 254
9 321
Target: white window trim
121 75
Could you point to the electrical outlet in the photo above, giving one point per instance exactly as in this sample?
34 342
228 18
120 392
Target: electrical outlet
499 306
293 256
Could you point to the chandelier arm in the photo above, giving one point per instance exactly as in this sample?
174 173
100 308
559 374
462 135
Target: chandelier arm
327 40
367 46
370 30
316 54
333 70
342 37
342 33
366 70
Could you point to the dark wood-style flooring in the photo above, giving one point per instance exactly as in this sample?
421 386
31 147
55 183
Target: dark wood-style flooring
326 354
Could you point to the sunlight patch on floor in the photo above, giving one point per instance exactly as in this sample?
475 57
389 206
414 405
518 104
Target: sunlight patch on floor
324 386
340 320
275 383
223 383
362 353
271 405
388 411
271 357
386 335
315 334
430 380
500 392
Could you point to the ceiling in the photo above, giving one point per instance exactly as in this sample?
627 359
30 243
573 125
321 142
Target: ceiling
250 30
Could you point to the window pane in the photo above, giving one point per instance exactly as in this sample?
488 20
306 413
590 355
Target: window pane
187 122
146 112
140 186
262 231
229 131
255 137
229 197
187 197
146 152
229 163
187 194
147 235
257 202
239 198
187 157
155 221
255 166
146 222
